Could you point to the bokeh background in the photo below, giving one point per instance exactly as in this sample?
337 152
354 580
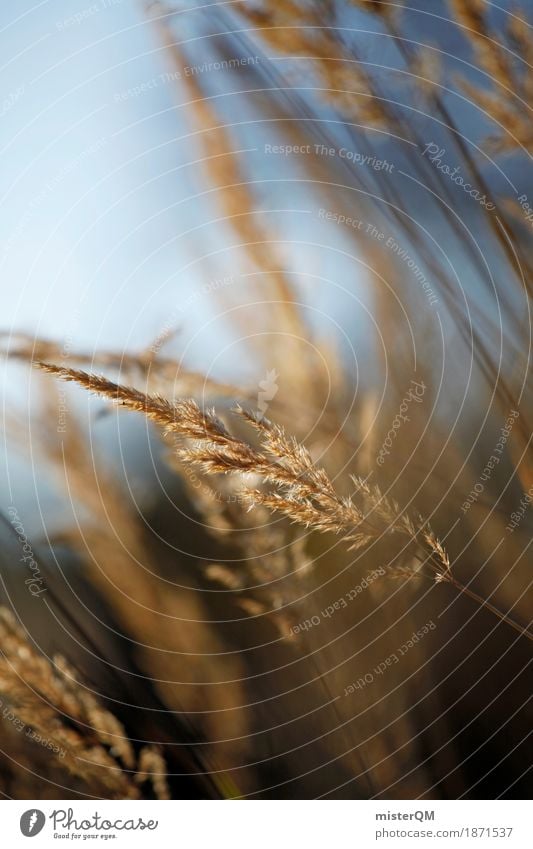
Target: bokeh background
260 203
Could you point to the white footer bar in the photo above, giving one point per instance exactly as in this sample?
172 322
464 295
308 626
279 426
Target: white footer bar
267 824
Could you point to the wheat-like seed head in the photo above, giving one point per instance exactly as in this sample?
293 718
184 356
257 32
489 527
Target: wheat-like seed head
302 491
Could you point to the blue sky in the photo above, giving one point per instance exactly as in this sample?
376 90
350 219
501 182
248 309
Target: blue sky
103 238
96 181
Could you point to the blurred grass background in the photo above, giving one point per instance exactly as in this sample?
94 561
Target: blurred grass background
205 215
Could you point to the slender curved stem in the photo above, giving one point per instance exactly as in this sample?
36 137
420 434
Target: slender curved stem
448 578
523 630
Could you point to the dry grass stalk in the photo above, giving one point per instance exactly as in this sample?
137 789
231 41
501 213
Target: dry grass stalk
301 29
301 491
46 697
160 373
376 7
305 493
509 99
234 193
149 607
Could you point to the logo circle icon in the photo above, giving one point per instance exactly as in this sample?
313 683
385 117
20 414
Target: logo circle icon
32 822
